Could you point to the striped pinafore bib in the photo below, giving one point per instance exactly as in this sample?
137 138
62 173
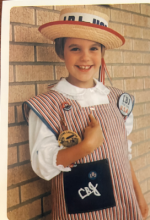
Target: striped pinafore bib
48 108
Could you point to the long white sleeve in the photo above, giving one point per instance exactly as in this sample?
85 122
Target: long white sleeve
129 127
43 149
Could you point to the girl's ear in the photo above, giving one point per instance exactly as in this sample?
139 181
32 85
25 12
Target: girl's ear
103 51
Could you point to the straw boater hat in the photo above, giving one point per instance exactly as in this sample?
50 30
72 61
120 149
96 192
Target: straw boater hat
83 23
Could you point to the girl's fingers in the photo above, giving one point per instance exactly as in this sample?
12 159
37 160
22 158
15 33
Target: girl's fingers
93 122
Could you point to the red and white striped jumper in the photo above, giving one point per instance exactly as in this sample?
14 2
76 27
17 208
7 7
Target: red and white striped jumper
48 108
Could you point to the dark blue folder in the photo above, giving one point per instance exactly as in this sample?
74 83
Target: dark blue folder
88 187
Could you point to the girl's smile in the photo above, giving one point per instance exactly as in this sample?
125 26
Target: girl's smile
82 59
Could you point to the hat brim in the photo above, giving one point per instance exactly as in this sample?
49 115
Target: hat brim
76 29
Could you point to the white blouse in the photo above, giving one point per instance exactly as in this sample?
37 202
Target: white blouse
43 143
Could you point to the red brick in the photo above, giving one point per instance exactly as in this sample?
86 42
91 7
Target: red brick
134 126
11 114
20 174
61 71
42 88
47 203
19 114
141 45
133 84
115 5
146 58
47 54
19 93
122 71
143 186
112 56
142 71
22 15
25 212
17 134
128 45
46 7
29 34
140 20
34 73
134 151
132 57
11 73
34 189
118 84
146 33
142 96
46 16
60 7
139 163
131 7
131 31
148 158
145 9
12 197
107 83
24 153
143 148
21 53
10 32
120 16
147 83
137 136
148 218
98 8
147 197
148 133
147 108
12 155
144 174
138 110
148 185
116 27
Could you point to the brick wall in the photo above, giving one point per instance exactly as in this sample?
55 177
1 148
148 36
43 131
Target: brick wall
34 65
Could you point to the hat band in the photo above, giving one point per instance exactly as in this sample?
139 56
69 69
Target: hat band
84 17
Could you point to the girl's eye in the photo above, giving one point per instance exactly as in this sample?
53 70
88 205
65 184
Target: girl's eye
94 48
75 49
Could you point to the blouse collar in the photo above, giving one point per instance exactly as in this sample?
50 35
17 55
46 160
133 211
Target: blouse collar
64 87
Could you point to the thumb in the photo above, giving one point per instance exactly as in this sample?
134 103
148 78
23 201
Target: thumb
93 122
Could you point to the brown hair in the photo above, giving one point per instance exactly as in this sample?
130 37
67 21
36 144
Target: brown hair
59 47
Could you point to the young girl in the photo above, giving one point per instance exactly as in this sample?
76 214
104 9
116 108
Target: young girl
77 131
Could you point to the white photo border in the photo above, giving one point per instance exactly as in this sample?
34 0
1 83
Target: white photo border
5 22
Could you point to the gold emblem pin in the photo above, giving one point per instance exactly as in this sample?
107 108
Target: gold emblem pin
68 138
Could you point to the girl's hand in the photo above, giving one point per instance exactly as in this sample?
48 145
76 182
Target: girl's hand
143 206
93 138
93 134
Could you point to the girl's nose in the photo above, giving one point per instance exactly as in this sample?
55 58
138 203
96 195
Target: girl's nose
85 56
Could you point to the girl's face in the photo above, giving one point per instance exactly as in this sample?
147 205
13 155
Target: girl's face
82 59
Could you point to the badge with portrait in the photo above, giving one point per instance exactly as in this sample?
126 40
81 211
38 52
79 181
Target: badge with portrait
88 187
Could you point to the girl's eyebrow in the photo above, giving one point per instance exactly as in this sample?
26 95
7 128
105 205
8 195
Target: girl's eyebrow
96 44
76 45
73 45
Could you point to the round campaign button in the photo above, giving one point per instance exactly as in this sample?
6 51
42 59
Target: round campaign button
92 175
66 106
125 104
